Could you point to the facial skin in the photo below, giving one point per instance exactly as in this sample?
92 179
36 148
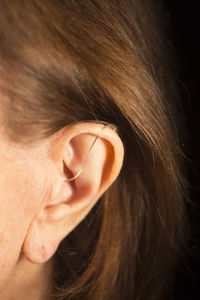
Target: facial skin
38 209
24 185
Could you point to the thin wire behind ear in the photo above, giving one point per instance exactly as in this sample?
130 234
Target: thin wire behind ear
79 172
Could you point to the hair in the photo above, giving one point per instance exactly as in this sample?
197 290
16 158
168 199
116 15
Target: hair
68 61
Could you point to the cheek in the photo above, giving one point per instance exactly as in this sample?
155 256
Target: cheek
13 224
18 204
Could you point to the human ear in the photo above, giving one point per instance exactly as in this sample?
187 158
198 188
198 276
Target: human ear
73 200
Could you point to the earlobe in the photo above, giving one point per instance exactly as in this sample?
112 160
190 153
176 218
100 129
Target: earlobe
61 214
37 248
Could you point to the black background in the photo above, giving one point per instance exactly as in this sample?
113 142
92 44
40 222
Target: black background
185 28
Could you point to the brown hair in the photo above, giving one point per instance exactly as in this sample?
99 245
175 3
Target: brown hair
68 61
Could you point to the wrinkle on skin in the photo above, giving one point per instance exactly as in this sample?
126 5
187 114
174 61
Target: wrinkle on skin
24 185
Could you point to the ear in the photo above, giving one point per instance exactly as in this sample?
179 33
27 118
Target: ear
72 201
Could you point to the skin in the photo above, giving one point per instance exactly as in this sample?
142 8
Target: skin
38 209
22 192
